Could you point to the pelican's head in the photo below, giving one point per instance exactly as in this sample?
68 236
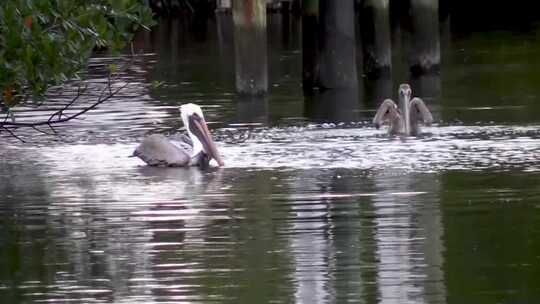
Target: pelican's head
404 101
193 119
405 92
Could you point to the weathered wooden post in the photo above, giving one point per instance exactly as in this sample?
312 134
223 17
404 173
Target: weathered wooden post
225 29
424 52
223 5
296 7
249 17
224 23
310 44
337 44
285 6
285 22
375 34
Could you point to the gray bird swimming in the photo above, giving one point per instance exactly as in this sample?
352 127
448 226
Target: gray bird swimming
196 150
405 119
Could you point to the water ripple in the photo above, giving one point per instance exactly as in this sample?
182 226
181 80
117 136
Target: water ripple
315 147
442 148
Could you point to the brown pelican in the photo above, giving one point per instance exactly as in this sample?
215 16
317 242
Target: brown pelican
196 150
403 120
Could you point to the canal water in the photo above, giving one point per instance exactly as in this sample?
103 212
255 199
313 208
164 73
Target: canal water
314 205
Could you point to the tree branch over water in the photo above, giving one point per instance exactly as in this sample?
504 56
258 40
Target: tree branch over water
45 44
10 125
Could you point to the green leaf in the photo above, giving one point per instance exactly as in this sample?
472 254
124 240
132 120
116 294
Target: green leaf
61 38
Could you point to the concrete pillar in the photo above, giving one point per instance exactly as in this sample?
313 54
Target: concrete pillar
249 17
375 34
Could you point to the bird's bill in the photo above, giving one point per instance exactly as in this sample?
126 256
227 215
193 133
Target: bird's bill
199 128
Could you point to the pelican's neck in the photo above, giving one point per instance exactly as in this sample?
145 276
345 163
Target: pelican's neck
404 104
197 145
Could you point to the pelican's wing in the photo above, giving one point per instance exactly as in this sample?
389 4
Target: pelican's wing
419 111
157 150
182 138
384 112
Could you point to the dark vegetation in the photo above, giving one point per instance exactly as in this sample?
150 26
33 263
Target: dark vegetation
45 43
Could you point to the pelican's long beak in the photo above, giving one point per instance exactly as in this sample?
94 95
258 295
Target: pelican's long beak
198 127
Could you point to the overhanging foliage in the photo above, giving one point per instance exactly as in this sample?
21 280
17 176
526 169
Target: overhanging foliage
46 42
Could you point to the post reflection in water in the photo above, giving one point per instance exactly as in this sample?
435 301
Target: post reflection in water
252 110
128 240
351 243
134 233
427 86
311 244
337 105
377 90
409 240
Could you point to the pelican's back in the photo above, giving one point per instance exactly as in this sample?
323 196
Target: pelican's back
157 150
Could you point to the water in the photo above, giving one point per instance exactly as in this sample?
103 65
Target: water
314 205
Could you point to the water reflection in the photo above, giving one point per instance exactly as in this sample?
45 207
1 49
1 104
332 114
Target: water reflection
427 85
252 110
89 223
409 240
377 90
341 105
311 243
351 231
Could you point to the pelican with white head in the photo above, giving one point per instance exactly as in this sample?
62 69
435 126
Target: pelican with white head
199 149
193 119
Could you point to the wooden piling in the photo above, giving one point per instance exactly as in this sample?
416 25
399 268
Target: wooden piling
337 45
310 44
285 22
424 51
296 8
223 6
375 35
249 17
225 32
